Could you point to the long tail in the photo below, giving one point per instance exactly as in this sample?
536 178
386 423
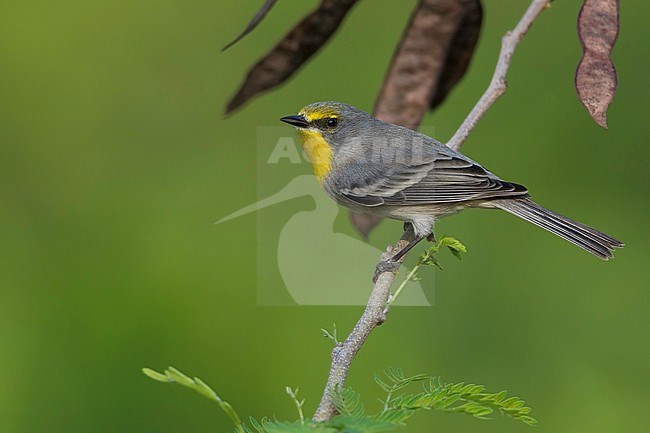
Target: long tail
597 243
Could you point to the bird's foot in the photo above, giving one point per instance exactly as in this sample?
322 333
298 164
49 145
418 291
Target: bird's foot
385 266
431 237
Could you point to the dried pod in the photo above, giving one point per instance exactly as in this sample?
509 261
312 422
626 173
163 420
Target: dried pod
259 16
596 78
302 42
430 59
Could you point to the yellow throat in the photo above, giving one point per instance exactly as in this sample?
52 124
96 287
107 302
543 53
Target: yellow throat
318 152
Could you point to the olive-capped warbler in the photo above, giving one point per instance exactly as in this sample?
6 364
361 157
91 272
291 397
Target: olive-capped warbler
387 170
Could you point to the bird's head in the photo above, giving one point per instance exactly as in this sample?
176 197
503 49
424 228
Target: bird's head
324 128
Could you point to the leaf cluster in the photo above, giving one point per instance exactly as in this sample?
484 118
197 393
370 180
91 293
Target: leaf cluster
398 406
429 258
460 397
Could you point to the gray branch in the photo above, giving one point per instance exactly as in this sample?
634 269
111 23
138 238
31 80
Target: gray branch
375 314
498 84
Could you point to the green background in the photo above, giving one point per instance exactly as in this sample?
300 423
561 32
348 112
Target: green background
116 160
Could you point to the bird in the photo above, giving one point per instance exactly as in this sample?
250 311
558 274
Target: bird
379 168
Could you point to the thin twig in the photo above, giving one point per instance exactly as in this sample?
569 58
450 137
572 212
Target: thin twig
374 314
403 284
498 84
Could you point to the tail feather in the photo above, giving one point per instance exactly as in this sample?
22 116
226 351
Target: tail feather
597 243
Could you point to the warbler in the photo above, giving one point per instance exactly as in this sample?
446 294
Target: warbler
387 170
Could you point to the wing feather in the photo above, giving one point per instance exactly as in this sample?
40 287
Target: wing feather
441 177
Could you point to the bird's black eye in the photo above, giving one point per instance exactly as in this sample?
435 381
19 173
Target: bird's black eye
332 122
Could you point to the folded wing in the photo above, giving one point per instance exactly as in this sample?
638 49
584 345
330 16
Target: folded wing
438 178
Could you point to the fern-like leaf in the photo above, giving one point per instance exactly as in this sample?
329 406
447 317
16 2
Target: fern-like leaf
295 427
464 398
172 375
398 379
338 424
258 426
348 402
347 424
460 397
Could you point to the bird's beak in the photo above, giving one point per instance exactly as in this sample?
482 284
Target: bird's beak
297 121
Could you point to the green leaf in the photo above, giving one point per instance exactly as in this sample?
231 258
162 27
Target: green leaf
464 398
497 398
291 427
396 375
459 397
383 385
347 424
155 375
454 245
396 416
173 375
348 402
258 426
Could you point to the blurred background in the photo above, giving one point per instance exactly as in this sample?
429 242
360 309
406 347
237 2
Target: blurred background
116 160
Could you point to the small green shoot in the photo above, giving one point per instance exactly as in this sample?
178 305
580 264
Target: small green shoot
294 396
333 335
428 258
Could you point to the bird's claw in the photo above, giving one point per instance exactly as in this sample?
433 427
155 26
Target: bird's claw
385 266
